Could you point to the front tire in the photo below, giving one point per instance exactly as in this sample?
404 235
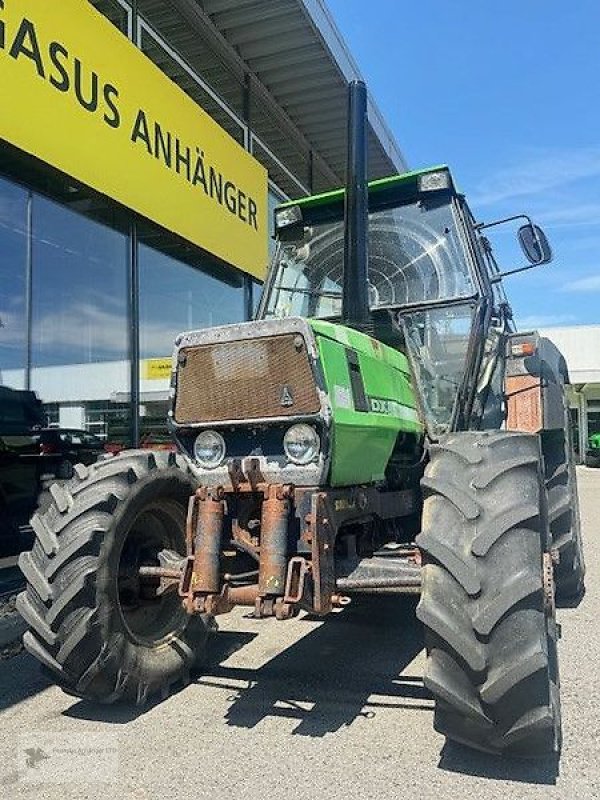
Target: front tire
486 601
101 632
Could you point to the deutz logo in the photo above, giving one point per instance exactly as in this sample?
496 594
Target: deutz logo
287 398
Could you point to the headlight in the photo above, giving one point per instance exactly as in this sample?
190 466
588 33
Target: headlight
301 444
209 449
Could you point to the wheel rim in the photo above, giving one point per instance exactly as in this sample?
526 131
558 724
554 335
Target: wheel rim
150 619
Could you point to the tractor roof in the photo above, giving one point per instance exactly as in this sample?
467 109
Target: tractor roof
408 181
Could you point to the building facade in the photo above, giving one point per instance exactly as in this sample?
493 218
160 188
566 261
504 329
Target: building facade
580 345
143 146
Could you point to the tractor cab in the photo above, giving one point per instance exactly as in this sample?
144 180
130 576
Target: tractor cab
433 284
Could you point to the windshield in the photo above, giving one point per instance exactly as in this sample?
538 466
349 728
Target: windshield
415 256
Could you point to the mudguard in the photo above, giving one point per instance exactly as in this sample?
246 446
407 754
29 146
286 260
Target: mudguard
536 372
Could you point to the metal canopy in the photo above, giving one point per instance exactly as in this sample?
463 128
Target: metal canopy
292 58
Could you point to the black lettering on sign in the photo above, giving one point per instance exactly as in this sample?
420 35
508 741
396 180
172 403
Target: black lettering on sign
113 118
199 172
230 200
163 145
216 185
62 82
252 214
26 44
140 130
92 103
183 157
241 205
2 29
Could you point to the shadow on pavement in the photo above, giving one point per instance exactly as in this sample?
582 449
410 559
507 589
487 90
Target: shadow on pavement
457 758
20 678
222 647
347 668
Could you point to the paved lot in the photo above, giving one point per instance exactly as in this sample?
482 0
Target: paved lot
302 710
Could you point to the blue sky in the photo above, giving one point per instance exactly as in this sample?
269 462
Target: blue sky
508 94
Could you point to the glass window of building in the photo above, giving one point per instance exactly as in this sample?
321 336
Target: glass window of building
176 296
80 312
13 284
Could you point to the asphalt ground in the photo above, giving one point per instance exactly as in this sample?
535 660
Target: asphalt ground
300 709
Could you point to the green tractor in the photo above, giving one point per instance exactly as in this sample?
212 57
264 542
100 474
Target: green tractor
592 456
380 428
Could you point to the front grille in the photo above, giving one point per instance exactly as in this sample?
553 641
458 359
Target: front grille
249 379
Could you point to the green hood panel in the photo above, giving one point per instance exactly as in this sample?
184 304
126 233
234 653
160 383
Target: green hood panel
372 401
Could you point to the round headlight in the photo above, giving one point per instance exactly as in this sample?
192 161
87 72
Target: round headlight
301 444
209 449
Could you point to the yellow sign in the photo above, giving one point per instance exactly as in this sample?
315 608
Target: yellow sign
156 369
80 96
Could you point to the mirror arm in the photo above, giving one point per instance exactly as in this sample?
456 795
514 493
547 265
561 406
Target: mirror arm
480 226
497 278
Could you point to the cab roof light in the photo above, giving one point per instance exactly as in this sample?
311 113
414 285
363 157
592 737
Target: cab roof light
286 216
434 181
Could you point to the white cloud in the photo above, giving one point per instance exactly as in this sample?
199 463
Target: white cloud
544 320
103 330
545 170
590 284
575 215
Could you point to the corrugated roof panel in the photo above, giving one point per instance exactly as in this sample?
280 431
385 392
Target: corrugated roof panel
299 67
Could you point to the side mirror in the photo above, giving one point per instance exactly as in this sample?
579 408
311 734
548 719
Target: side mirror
534 244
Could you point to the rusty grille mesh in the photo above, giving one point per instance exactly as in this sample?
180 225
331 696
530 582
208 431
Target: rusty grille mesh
246 379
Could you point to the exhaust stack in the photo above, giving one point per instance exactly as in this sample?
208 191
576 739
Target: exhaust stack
355 297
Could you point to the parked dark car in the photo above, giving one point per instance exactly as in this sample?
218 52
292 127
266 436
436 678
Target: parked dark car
31 456
61 448
21 419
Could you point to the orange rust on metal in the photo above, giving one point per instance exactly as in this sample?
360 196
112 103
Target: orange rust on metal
524 399
548 568
229 597
191 523
207 541
243 595
240 535
274 541
284 610
298 571
323 568
245 380
185 585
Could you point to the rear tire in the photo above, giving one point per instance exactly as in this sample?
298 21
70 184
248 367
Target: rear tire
563 510
486 601
564 517
98 630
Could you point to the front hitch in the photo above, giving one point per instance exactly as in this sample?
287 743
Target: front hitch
292 535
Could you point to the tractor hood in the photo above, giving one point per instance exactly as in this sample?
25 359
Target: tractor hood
250 383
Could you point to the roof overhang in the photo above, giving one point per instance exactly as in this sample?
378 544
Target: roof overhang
298 66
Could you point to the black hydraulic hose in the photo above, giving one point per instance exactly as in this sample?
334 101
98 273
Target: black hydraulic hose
396 582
